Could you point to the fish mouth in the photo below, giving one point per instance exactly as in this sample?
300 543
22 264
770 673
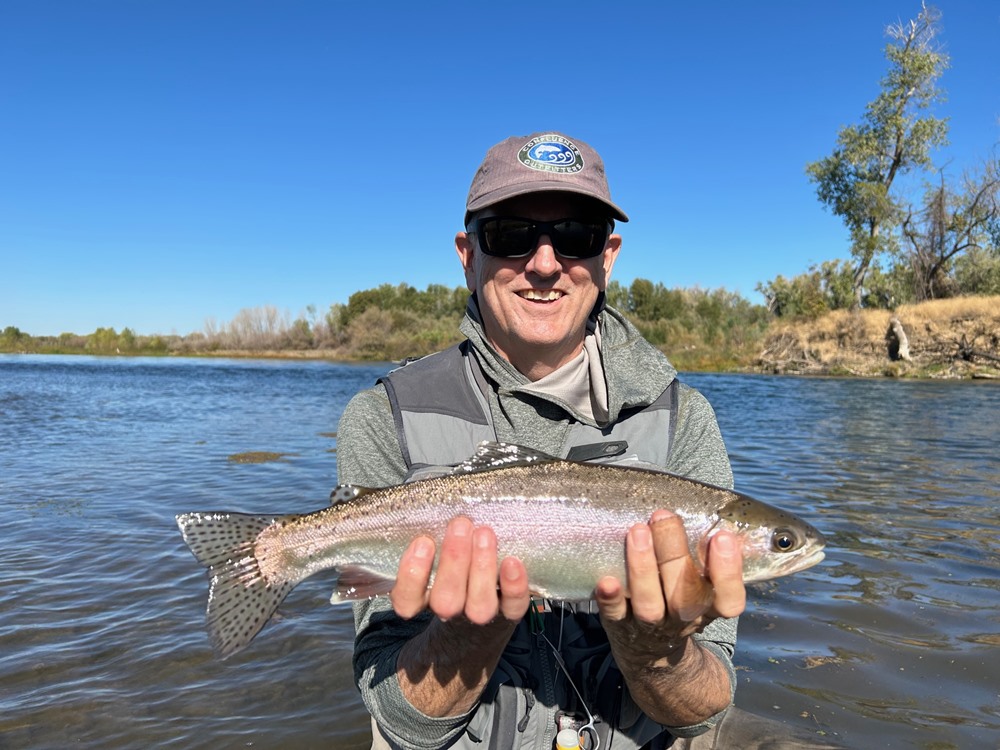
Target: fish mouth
786 566
801 563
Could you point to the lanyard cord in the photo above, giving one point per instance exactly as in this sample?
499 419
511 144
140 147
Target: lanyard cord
537 623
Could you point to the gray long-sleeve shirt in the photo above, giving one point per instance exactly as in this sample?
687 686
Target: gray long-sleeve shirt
369 455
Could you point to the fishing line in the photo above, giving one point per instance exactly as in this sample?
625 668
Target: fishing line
538 627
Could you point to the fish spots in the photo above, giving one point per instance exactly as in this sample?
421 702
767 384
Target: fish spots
581 510
242 594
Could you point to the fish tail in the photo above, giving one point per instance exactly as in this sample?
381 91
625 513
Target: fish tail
241 596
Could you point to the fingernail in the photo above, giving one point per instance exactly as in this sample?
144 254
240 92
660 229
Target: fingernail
661 515
482 540
641 538
725 544
423 549
461 527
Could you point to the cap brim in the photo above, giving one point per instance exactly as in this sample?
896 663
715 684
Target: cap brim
540 186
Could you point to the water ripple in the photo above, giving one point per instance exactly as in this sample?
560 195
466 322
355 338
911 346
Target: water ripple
888 643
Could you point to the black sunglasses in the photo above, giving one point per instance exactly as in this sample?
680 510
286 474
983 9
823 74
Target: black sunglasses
511 237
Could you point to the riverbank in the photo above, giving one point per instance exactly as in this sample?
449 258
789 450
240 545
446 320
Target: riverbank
951 338
939 339
954 338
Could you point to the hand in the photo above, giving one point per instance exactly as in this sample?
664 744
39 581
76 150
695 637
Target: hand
466 580
442 671
669 599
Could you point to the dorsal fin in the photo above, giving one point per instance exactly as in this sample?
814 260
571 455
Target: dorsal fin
493 455
344 492
489 455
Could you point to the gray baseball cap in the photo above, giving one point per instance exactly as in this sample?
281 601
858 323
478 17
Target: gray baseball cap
536 163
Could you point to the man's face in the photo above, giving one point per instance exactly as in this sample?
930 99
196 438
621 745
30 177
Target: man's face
535 308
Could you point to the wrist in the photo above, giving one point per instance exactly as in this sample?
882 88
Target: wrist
443 670
666 658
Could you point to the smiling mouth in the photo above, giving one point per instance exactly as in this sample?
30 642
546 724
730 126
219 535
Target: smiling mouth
537 295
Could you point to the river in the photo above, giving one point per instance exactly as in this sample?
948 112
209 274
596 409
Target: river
889 643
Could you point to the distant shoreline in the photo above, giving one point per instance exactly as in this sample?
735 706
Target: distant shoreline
956 338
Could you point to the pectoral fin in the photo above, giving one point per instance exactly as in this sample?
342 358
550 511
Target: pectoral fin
356 583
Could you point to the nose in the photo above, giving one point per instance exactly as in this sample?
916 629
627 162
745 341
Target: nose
543 260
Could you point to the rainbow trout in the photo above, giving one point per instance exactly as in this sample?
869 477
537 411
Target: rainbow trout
566 521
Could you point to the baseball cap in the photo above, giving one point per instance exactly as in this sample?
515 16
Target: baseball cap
536 163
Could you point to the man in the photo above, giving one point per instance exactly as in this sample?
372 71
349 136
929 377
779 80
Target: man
545 365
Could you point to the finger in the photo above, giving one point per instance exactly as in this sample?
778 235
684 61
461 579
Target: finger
644 585
687 593
725 569
409 594
481 603
515 596
611 601
447 597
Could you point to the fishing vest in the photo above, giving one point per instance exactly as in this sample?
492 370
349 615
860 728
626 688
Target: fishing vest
441 414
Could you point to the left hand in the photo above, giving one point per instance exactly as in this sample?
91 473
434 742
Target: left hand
669 599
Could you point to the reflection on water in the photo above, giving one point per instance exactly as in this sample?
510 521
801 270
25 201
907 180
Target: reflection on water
888 643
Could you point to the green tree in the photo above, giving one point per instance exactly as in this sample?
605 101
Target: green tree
978 271
126 340
103 340
617 296
895 136
799 297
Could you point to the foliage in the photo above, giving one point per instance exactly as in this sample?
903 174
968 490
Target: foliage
950 224
698 329
829 286
438 300
978 271
895 136
899 254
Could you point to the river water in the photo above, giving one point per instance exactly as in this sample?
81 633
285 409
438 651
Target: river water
891 642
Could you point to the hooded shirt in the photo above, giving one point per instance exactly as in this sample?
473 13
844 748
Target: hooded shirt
617 371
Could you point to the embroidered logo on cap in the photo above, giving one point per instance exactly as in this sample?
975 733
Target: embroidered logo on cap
551 153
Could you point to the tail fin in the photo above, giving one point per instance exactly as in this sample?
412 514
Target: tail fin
241 599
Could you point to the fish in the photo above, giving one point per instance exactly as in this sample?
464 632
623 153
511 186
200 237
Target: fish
566 521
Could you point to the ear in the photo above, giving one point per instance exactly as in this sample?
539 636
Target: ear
466 254
611 251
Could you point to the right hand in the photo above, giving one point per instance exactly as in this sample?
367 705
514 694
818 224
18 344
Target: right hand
466 582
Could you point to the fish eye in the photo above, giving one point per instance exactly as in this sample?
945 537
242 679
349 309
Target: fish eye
784 540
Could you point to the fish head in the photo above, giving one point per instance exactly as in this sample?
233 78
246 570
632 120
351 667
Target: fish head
775 542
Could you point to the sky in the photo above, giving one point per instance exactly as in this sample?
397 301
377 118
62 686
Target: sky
165 164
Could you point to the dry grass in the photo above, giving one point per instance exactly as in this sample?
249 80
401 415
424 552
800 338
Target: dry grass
950 311
959 335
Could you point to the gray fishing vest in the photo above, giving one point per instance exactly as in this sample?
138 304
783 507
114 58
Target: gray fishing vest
441 414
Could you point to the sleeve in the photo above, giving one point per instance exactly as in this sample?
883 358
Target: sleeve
368 455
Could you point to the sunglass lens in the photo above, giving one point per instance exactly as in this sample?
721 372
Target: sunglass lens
577 240
508 238
516 238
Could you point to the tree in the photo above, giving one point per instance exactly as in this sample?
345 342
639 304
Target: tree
895 136
950 224
102 340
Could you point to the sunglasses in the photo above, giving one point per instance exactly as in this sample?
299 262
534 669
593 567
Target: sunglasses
510 237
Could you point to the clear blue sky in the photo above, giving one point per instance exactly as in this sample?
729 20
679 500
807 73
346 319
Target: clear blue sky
167 162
